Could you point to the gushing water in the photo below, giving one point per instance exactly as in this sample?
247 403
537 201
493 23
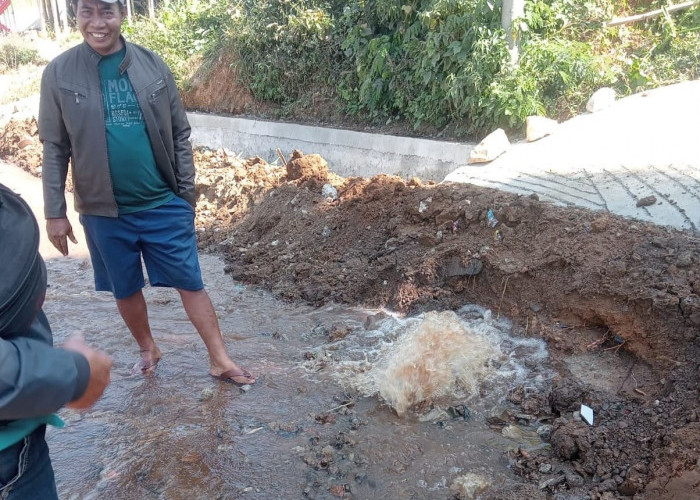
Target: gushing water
346 399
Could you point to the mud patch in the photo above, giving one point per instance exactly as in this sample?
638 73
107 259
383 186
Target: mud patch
566 275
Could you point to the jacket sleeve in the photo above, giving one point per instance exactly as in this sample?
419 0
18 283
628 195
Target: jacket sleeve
37 379
184 162
57 148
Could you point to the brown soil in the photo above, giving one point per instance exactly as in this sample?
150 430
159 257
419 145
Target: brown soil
589 283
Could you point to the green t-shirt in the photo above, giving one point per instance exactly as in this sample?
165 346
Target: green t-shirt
136 181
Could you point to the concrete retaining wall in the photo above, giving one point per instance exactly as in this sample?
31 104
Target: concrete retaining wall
348 153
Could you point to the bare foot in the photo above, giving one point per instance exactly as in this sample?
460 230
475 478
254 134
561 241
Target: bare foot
235 375
149 361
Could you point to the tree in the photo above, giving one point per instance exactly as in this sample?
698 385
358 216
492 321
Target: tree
512 10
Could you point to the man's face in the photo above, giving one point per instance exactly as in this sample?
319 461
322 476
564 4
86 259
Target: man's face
100 24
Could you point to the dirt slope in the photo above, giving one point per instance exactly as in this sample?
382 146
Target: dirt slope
587 282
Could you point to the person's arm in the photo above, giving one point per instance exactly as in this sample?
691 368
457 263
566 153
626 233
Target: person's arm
57 147
37 379
57 151
184 161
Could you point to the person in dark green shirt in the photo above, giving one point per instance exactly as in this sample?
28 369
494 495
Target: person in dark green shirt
112 107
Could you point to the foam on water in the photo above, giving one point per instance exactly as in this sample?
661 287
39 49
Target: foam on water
466 355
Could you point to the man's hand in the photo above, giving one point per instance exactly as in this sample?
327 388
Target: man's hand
100 365
58 231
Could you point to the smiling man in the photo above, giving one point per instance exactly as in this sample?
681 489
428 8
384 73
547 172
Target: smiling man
112 108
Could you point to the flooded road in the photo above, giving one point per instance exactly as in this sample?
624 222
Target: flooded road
333 412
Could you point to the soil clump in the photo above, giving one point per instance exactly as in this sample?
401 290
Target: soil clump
589 283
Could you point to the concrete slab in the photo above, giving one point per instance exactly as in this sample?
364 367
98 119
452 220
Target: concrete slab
644 145
347 152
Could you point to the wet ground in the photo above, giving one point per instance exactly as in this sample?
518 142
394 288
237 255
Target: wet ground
315 423
346 406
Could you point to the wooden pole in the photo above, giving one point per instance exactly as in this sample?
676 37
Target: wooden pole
651 14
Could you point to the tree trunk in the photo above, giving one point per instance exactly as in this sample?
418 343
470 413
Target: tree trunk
64 15
151 9
512 10
54 17
42 15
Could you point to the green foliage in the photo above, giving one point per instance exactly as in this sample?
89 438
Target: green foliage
182 31
431 62
15 53
284 51
669 53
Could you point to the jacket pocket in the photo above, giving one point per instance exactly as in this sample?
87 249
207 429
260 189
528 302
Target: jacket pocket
157 91
74 104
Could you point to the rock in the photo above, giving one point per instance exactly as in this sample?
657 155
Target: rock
572 479
337 490
551 482
456 268
646 201
601 99
459 411
608 485
329 191
545 432
493 146
545 468
565 394
512 432
435 415
207 393
600 224
564 444
538 127
468 486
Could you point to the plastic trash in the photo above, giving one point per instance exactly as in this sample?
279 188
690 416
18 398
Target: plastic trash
587 414
492 220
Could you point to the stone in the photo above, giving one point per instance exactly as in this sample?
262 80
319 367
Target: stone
468 486
538 127
545 432
456 268
329 191
551 482
601 99
493 146
646 201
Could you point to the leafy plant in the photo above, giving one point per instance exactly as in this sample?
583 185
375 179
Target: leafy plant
15 53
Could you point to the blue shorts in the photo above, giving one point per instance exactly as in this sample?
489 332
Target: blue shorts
164 236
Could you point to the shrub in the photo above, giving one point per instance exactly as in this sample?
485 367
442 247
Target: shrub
15 53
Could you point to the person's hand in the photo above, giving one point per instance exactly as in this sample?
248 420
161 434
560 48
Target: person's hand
58 231
100 365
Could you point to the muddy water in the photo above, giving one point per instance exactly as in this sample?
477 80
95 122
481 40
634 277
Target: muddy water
333 409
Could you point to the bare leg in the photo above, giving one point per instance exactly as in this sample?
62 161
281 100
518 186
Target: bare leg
135 314
202 315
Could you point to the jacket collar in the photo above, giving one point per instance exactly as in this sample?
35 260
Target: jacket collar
95 58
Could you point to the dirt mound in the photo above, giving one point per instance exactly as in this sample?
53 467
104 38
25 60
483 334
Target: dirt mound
587 282
19 144
590 283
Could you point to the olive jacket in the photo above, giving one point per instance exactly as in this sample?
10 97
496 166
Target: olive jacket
71 127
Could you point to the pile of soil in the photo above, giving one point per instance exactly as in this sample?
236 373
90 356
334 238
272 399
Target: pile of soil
19 144
586 282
